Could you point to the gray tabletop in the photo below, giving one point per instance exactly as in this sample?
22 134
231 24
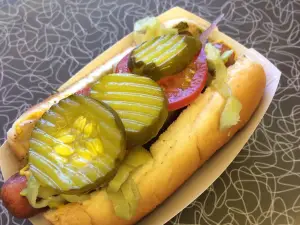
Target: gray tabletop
43 43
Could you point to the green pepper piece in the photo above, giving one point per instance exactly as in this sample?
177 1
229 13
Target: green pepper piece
121 176
131 194
120 204
135 158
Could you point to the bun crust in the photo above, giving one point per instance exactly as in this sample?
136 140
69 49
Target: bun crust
190 140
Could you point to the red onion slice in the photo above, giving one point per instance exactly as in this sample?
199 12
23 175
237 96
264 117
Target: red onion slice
209 30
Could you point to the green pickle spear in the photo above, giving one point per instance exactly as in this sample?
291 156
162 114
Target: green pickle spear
139 102
77 145
164 55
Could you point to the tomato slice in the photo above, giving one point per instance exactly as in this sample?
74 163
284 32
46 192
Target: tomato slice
183 88
122 66
85 91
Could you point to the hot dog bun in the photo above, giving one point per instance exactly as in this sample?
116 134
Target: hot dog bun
178 152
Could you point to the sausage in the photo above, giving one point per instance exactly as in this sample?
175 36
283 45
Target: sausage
223 47
16 204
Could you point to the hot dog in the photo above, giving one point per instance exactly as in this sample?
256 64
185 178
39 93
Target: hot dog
177 150
14 202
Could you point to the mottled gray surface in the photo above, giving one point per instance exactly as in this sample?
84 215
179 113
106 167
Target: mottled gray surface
43 43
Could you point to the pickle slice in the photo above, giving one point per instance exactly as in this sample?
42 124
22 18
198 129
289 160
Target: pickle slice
163 55
139 102
77 145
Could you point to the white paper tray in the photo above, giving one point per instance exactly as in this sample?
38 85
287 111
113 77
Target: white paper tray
215 166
